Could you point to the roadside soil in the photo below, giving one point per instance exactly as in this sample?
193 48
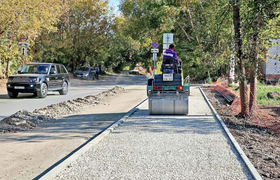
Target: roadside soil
261 144
272 110
31 142
3 89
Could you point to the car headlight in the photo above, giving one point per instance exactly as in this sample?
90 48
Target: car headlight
10 79
34 79
86 74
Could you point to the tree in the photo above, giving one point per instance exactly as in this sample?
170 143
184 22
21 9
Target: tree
201 42
83 35
256 19
239 55
27 17
203 35
259 14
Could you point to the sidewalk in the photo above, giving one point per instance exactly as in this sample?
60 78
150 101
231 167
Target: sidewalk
162 147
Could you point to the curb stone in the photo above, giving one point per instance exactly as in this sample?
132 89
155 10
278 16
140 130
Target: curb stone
246 160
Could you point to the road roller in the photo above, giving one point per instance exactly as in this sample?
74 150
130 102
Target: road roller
168 90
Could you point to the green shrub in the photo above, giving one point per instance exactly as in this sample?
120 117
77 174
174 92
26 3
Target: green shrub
209 80
260 83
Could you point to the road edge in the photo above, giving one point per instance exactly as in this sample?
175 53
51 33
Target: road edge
51 172
245 159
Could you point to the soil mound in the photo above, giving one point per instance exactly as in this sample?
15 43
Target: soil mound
24 120
257 137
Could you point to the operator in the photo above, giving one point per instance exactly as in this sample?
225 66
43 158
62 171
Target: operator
97 71
170 53
149 73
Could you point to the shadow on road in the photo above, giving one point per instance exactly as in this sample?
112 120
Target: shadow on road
75 126
4 96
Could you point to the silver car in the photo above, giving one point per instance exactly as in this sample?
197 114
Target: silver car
85 72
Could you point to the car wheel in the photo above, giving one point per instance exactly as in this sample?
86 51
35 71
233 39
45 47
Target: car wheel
12 94
64 90
43 91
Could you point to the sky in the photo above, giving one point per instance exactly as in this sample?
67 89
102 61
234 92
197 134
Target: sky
115 4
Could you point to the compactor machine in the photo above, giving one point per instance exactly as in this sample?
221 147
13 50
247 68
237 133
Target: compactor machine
168 91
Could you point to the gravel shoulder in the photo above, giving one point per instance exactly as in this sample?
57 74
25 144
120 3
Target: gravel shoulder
26 154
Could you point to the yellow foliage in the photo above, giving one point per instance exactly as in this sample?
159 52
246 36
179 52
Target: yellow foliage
29 17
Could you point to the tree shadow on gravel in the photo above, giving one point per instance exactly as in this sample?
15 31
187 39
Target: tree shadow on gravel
199 124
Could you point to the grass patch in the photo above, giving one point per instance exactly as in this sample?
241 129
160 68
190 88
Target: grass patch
262 91
234 87
262 98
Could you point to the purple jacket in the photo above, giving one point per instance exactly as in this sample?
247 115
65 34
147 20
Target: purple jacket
170 53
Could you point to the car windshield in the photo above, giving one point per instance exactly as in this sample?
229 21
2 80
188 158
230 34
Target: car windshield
83 69
35 69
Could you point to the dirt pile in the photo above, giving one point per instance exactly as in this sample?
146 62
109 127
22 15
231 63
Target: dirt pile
261 118
261 147
25 120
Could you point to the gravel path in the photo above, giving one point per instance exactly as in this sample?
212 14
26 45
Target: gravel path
162 147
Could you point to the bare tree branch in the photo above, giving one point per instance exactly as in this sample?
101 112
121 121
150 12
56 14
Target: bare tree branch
188 9
184 32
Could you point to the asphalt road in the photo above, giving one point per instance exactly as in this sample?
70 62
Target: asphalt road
78 88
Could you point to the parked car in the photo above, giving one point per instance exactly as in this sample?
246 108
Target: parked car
39 78
85 72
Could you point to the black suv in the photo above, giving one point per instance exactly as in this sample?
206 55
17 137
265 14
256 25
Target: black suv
39 78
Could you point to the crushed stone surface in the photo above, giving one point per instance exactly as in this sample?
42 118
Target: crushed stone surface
162 147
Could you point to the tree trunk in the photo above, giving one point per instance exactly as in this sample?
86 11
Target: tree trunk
7 68
253 57
239 54
253 78
2 66
253 93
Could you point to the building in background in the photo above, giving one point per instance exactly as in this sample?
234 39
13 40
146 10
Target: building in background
271 68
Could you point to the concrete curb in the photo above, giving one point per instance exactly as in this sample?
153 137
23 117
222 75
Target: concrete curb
246 160
55 169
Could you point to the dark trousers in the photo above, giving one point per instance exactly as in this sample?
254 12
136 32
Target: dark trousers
96 75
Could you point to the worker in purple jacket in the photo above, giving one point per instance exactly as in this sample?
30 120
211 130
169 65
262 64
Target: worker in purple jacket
170 53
